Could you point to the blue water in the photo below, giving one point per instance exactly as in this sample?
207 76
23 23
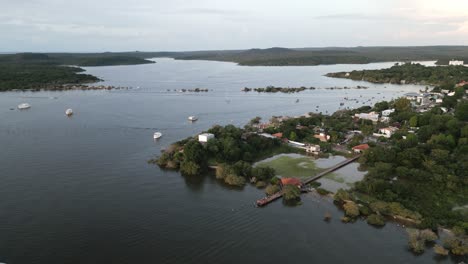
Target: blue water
79 190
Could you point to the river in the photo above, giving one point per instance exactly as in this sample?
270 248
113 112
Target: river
79 190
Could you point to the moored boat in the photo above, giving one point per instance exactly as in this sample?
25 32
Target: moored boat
157 135
24 106
192 118
69 112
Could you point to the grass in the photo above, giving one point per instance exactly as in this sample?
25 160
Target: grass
293 167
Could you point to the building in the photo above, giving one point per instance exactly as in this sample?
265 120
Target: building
205 137
323 137
360 148
411 96
387 112
387 131
278 135
462 83
291 181
313 149
456 62
372 116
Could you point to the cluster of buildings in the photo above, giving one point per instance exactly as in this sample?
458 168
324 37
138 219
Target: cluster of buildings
456 62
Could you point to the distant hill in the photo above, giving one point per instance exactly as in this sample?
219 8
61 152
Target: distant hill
333 55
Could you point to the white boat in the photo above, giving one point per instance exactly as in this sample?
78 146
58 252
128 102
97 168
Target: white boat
24 106
157 135
69 112
192 118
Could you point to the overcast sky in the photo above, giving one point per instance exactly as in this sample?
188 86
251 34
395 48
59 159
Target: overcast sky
155 25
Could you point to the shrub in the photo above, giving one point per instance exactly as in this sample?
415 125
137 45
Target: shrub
375 219
272 189
260 184
235 180
291 193
322 191
439 250
428 235
351 209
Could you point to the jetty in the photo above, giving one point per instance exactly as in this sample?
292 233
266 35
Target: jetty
266 200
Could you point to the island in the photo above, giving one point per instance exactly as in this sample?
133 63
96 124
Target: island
410 73
415 153
24 71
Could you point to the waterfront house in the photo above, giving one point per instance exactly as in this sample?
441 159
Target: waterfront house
203 138
313 149
360 148
291 181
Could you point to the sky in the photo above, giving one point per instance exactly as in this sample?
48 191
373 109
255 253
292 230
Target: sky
178 25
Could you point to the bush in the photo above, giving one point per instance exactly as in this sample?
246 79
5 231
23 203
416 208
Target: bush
234 180
351 209
428 235
291 193
272 189
322 191
341 195
364 210
375 219
190 168
260 184
439 250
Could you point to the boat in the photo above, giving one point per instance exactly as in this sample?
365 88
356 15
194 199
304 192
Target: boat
24 106
192 118
297 100
69 112
157 135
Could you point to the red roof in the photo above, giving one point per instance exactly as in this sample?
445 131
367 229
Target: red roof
278 135
361 147
291 181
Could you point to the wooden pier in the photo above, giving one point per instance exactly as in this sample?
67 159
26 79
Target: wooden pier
266 200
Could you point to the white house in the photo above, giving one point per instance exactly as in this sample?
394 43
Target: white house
205 137
373 116
314 149
387 112
387 131
456 62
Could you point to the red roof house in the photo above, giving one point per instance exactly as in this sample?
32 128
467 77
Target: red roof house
360 148
278 135
291 181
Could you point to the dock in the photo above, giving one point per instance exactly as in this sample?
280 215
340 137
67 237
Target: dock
266 200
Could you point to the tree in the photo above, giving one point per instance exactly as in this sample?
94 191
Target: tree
461 112
291 193
272 189
235 180
375 219
190 168
194 151
413 122
293 136
351 209
402 105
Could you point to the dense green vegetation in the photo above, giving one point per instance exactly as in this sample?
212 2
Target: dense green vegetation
232 150
332 55
40 76
47 71
447 76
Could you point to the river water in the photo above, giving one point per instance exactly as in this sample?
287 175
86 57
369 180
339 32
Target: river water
79 190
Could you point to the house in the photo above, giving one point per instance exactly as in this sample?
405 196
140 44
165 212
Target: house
411 96
387 112
456 62
462 83
388 131
291 181
360 148
266 135
323 137
372 116
444 91
203 138
278 135
439 100
314 149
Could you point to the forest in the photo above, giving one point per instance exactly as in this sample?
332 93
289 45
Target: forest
410 73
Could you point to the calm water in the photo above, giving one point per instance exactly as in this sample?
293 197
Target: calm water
78 190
